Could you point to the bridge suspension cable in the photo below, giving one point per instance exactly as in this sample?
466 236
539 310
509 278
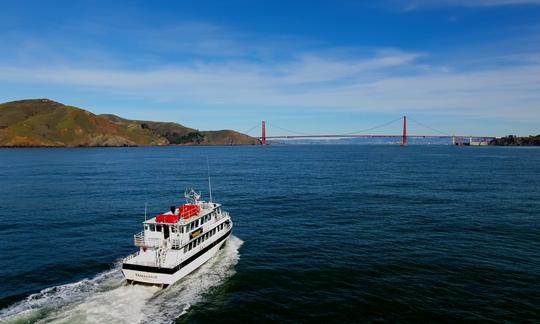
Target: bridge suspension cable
357 133
288 130
252 128
349 133
428 127
375 127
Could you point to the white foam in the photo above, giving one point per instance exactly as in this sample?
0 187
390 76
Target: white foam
176 300
104 298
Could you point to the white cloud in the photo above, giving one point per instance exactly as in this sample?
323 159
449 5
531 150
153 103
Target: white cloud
314 81
228 69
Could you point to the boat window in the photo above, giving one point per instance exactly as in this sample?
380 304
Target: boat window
152 227
158 228
146 227
173 229
185 249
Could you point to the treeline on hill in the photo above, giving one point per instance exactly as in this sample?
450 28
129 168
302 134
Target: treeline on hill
179 138
512 140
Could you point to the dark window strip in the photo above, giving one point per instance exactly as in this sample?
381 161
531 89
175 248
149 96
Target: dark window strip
138 267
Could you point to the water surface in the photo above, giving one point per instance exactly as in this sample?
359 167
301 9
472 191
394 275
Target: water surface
333 233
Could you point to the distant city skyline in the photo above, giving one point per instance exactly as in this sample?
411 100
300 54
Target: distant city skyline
462 67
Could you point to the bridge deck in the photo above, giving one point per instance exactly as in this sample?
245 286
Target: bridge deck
371 136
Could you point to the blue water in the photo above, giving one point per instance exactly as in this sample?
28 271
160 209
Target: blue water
322 233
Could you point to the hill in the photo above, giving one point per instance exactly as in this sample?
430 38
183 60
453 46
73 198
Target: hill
43 122
512 140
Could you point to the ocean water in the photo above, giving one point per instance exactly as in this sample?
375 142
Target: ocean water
345 233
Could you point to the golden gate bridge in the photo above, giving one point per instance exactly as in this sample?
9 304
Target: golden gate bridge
456 139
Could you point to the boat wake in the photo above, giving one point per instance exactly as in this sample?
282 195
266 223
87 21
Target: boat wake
105 298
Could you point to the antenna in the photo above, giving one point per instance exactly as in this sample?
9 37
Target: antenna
145 206
209 181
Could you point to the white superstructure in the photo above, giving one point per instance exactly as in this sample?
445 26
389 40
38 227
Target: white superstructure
177 242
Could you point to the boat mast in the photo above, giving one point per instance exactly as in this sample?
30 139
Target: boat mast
209 181
145 206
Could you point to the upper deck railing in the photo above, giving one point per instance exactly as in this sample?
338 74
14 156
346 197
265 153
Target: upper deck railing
142 241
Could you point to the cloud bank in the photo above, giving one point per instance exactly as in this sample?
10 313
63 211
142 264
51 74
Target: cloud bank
208 65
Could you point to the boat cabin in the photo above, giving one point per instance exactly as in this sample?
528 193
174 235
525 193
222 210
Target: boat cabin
178 221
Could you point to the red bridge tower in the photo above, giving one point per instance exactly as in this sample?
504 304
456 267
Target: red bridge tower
404 130
263 137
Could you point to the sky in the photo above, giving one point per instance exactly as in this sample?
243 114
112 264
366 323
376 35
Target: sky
464 67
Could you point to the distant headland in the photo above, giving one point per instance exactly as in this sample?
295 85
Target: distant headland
512 140
46 123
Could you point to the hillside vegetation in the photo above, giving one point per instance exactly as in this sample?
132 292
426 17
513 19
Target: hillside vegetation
512 140
43 122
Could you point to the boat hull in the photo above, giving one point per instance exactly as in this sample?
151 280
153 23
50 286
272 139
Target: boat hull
168 276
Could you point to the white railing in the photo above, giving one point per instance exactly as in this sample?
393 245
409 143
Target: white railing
177 243
222 215
140 240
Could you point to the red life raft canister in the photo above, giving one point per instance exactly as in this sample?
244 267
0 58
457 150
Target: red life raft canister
188 210
167 218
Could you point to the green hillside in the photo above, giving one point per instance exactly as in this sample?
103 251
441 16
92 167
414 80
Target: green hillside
43 122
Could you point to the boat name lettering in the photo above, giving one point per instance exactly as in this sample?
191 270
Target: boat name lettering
145 276
196 233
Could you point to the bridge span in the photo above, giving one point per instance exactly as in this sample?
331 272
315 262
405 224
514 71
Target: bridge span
456 139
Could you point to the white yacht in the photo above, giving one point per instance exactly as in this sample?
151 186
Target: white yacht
177 242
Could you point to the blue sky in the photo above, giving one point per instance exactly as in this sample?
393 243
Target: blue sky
464 67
